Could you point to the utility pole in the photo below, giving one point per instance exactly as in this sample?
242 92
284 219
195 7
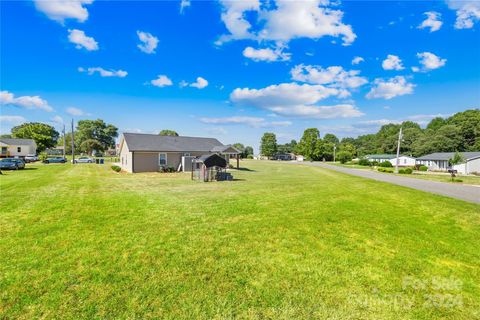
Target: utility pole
334 152
73 145
64 143
398 149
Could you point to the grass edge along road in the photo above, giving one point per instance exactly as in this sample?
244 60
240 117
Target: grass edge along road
280 242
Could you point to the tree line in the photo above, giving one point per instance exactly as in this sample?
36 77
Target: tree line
89 135
459 132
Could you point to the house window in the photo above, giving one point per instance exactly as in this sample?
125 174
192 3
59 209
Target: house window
162 159
19 149
186 154
122 161
404 161
4 150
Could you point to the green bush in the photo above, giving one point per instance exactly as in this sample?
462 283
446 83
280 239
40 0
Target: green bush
401 171
423 168
387 170
249 156
408 170
364 162
374 163
386 164
344 156
116 168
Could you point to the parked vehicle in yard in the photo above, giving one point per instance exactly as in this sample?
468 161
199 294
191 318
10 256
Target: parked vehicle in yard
11 164
30 158
83 160
55 160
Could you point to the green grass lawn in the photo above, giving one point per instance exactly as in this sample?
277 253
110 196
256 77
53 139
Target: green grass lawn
281 242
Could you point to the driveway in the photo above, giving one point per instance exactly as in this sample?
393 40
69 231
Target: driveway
462 192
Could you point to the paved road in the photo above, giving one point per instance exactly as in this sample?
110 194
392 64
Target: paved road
462 192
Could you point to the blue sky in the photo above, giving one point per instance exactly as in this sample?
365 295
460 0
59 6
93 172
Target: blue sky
236 69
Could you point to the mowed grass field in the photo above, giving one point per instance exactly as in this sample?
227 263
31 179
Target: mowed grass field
281 242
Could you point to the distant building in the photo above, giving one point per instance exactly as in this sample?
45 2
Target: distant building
20 148
380 157
57 151
439 161
403 160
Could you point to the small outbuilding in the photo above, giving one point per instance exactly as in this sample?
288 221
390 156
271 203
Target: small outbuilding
210 167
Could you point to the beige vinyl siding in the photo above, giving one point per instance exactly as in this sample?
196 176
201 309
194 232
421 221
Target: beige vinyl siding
145 161
125 158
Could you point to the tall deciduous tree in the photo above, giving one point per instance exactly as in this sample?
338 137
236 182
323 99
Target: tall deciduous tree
268 144
167 132
97 130
44 135
310 144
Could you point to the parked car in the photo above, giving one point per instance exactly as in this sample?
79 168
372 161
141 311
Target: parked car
30 158
83 160
55 160
11 164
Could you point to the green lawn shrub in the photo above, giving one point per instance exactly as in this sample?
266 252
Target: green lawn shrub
116 168
423 168
387 170
386 164
364 162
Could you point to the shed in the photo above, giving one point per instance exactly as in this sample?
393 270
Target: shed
210 167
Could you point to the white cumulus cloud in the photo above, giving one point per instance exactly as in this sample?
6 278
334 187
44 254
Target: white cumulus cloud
388 89
433 21
468 13
286 21
357 60
200 83
81 40
27 102
148 42
184 4
161 81
429 61
59 10
392 63
12 119
104 72
254 122
75 112
292 99
266 54
334 76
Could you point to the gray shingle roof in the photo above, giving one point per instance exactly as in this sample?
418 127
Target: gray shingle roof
381 156
449 155
18 142
228 148
157 143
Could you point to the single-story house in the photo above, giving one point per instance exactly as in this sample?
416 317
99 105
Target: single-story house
56 151
150 152
439 161
380 157
403 160
20 148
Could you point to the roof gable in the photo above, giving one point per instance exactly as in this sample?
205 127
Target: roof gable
18 142
449 155
157 143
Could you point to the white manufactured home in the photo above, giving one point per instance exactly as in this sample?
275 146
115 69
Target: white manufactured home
439 161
